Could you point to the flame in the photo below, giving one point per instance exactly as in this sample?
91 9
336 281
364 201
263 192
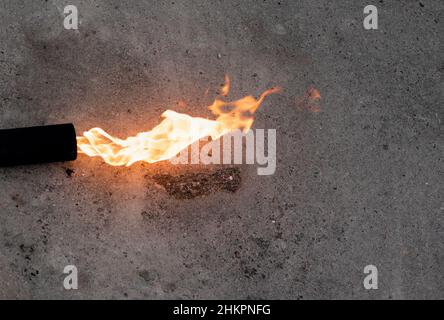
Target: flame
226 87
313 94
174 133
310 100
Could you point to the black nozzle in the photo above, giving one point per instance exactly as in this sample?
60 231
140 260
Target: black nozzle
38 145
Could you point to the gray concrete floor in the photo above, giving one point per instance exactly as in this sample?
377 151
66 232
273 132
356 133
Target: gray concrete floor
359 183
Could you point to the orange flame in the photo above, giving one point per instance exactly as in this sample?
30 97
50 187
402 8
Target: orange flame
313 94
310 100
226 87
176 132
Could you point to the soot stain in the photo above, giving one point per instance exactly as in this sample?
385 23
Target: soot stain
192 185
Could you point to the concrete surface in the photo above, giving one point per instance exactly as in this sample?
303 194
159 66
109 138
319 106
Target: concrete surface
358 183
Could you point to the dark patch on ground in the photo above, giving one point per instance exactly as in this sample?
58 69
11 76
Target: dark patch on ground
69 172
192 185
18 199
147 215
148 276
28 271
